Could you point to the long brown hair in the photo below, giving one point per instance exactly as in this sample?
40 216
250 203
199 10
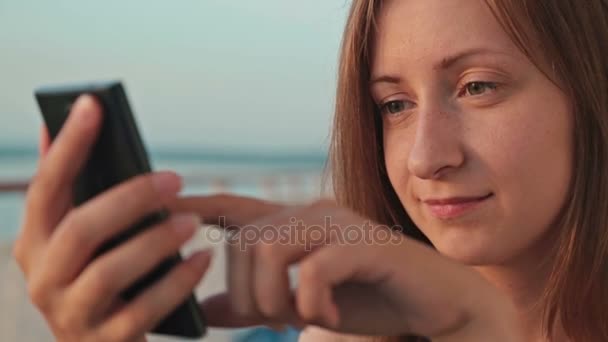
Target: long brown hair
568 41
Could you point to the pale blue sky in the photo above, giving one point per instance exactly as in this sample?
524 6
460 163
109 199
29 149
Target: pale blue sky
253 74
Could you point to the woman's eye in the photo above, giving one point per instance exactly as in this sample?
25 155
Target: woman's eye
394 107
477 88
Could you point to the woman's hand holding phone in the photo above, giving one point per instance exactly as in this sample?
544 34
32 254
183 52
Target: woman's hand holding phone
78 295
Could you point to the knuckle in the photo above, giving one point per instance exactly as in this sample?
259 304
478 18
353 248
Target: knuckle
127 328
268 252
99 282
182 279
38 181
132 324
145 182
76 234
146 193
66 320
309 311
38 295
18 252
186 279
269 306
162 237
141 186
309 273
34 196
244 310
170 237
306 313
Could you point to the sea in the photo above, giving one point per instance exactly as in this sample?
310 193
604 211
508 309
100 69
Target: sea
278 176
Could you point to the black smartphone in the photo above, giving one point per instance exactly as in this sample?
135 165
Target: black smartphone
118 155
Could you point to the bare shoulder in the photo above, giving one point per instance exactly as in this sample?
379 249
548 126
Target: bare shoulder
316 334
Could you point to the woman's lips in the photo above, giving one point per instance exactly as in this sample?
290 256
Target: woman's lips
454 207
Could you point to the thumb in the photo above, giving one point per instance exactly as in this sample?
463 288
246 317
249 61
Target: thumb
44 141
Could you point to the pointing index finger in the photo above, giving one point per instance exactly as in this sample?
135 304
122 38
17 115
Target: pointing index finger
225 209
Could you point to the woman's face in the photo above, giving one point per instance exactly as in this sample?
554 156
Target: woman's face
478 142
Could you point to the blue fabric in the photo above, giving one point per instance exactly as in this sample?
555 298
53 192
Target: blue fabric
264 334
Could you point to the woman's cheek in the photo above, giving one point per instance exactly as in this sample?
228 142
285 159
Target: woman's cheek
528 159
396 152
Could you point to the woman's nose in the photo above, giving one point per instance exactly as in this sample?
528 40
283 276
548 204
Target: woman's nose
437 146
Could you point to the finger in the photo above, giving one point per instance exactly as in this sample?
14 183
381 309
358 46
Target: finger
44 143
239 275
271 260
259 256
325 269
218 312
87 227
145 311
231 211
49 194
271 281
113 272
226 210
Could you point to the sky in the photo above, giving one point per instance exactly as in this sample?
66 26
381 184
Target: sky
241 74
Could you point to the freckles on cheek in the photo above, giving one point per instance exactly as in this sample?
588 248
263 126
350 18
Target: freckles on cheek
505 153
539 128
396 151
524 150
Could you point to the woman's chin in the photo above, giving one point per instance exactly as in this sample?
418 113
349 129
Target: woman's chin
470 249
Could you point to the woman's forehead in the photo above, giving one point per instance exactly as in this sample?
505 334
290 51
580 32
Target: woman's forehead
415 32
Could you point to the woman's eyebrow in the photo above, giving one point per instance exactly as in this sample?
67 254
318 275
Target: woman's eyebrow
445 63
450 60
386 79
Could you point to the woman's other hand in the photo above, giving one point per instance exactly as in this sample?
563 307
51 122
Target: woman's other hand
354 277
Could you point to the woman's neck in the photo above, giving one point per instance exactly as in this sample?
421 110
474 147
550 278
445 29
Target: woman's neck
524 289
523 280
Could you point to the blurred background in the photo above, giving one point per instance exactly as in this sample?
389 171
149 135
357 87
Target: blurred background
234 95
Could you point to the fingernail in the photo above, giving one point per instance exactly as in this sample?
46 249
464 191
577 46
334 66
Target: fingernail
82 106
185 224
167 183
